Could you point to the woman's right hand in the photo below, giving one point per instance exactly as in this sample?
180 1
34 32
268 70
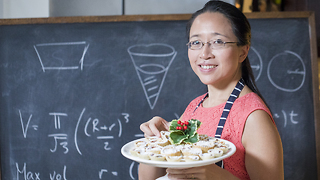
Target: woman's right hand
154 126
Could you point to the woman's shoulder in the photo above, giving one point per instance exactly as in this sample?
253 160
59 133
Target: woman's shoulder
251 98
251 102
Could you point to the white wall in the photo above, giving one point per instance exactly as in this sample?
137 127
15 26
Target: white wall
164 6
52 8
1 12
24 8
84 7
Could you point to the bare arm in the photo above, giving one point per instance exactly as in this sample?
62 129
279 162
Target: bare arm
264 154
147 172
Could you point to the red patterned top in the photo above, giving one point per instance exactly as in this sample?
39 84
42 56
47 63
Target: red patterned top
233 128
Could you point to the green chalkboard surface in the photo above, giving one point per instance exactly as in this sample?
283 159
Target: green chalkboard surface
75 90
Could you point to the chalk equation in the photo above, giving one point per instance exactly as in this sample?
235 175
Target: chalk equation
152 62
288 65
287 116
23 173
61 56
91 127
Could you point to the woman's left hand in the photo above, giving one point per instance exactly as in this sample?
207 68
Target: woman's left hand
208 172
203 173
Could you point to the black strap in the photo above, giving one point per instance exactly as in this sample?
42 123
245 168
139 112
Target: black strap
233 96
201 102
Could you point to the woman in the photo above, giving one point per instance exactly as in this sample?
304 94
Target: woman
233 109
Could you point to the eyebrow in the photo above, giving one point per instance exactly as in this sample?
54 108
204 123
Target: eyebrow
216 34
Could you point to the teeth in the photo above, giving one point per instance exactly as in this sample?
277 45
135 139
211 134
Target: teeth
207 67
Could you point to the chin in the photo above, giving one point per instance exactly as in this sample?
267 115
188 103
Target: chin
207 81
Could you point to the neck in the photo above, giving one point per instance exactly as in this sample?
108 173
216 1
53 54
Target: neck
219 94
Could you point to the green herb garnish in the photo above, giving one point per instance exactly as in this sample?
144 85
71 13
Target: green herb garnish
184 131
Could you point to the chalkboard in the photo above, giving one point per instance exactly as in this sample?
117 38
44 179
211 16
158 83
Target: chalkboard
75 90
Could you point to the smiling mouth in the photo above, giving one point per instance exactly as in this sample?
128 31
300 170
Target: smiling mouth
208 67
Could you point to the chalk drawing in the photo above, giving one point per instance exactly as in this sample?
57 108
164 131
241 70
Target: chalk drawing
287 71
255 62
61 56
152 62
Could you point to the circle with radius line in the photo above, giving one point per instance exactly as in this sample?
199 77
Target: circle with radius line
287 71
255 62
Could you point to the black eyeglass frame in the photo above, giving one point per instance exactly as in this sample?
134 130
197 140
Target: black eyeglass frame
209 43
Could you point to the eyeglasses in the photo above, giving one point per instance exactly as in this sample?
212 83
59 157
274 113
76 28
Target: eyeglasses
216 44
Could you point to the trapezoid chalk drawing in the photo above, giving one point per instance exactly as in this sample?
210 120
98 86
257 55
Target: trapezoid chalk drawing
61 56
152 62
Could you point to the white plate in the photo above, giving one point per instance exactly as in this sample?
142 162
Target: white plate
125 150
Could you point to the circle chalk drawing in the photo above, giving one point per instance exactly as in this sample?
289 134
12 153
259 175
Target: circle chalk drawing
286 71
255 62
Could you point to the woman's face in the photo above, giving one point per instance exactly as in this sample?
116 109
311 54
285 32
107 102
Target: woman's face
214 66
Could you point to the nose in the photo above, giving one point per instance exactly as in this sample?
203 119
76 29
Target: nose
206 52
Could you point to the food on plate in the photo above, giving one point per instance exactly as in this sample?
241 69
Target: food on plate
140 144
170 151
191 158
181 143
191 151
134 151
153 149
217 152
157 157
207 156
174 158
224 148
204 145
143 154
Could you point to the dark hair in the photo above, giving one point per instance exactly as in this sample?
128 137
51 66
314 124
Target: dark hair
241 28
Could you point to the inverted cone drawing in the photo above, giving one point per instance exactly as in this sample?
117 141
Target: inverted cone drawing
61 56
152 63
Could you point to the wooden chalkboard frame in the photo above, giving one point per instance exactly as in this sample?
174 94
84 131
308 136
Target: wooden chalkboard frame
312 34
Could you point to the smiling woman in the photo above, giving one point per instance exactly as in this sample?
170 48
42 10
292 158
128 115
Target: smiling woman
225 60
219 42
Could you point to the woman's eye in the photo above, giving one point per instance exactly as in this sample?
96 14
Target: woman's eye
218 41
195 42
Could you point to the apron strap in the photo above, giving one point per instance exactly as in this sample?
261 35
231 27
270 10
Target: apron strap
200 102
234 95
